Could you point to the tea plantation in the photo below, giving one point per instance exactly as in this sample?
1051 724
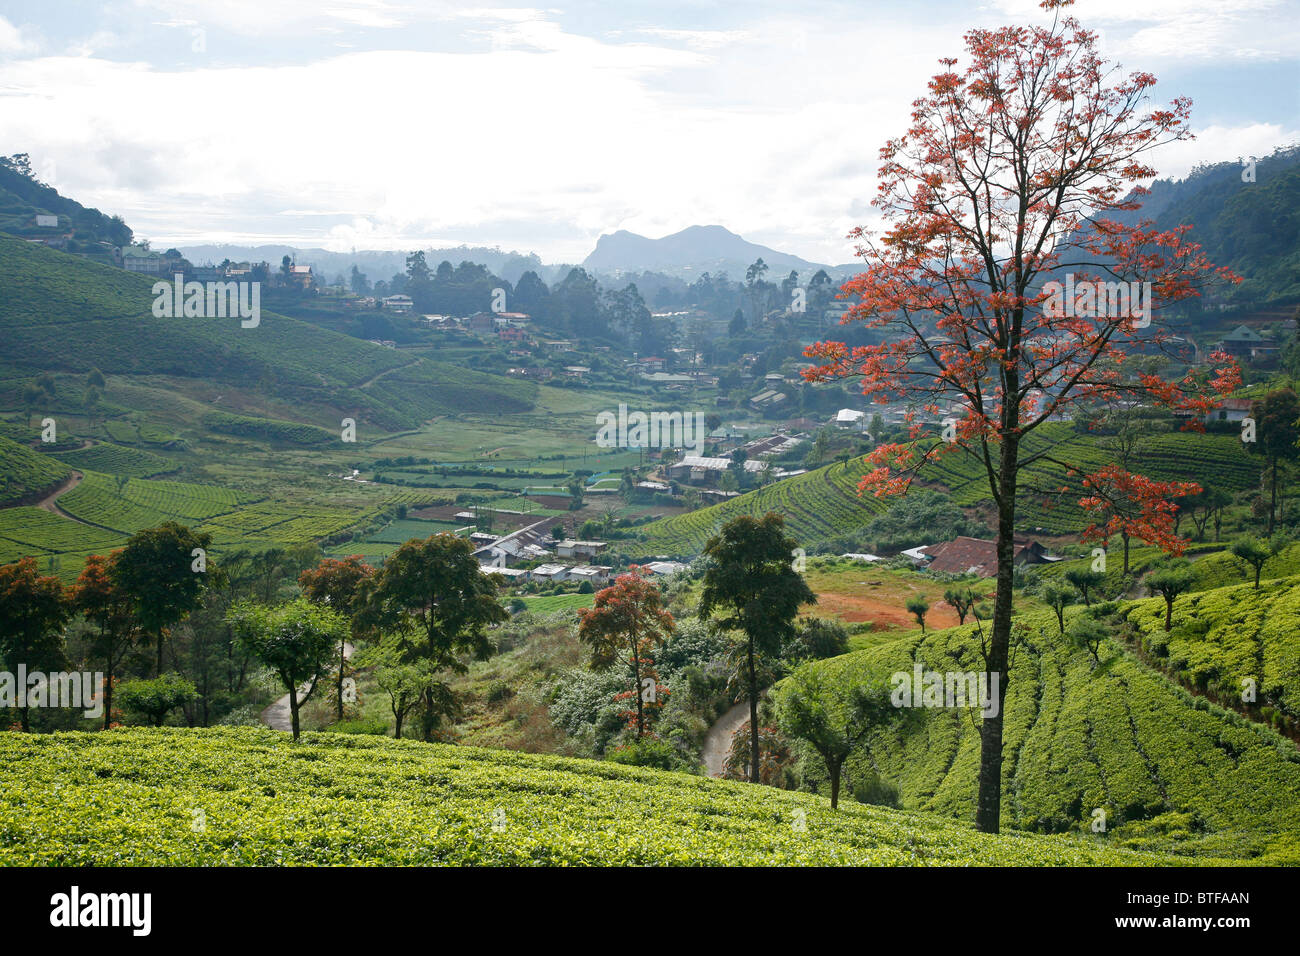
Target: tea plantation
240 796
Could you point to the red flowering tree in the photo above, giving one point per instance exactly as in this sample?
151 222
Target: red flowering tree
108 607
1000 187
628 619
1133 506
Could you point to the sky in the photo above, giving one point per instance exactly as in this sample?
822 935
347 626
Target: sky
386 124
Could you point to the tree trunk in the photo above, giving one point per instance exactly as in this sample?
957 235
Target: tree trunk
1272 501
753 717
293 708
339 688
989 806
108 692
640 708
835 768
1124 535
158 673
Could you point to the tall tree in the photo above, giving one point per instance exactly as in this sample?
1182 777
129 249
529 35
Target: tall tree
628 617
433 595
295 640
157 572
106 606
1277 423
750 575
33 610
1005 176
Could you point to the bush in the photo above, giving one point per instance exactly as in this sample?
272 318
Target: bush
376 727
246 716
872 788
649 752
156 698
499 691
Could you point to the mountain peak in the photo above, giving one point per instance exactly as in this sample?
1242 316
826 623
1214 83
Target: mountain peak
690 251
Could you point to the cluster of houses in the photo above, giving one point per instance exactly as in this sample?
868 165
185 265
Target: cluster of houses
549 561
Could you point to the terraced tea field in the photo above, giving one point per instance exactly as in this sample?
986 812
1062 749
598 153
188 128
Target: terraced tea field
111 459
38 533
1169 770
127 797
815 505
131 505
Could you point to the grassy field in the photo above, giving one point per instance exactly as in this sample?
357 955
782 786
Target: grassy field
549 603
240 796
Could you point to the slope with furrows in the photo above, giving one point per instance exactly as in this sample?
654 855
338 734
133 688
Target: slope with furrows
130 797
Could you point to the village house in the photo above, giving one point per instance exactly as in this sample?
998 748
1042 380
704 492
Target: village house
1229 410
966 555
398 303
595 573
569 548
550 572
1247 344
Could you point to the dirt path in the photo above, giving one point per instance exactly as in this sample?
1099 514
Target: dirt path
48 502
388 371
718 740
279 716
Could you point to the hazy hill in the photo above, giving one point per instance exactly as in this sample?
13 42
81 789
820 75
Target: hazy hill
1251 227
375 264
694 250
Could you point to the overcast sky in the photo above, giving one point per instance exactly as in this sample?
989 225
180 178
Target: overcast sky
383 124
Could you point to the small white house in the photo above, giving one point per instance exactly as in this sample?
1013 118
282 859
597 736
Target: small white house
550 572
569 548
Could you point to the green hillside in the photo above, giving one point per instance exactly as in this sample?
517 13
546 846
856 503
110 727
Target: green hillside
815 505
826 503
25 473
1170 770
1226 636
185 797
64 314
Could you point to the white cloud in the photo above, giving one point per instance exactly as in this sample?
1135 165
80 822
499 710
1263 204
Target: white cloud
15 40
544 141
1194 30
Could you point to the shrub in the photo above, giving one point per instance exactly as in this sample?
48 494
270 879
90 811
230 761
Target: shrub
376 727
650 752
873 789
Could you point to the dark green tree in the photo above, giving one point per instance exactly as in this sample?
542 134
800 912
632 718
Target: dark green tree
750 576
433 596
158 572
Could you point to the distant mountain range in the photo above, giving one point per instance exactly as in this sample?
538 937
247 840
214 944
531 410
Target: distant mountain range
683 255
694 250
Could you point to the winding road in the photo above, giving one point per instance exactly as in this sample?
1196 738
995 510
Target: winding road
718 740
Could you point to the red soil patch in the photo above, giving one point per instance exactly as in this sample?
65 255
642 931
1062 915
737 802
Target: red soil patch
885 616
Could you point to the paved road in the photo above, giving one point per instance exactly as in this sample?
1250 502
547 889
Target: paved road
718 740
